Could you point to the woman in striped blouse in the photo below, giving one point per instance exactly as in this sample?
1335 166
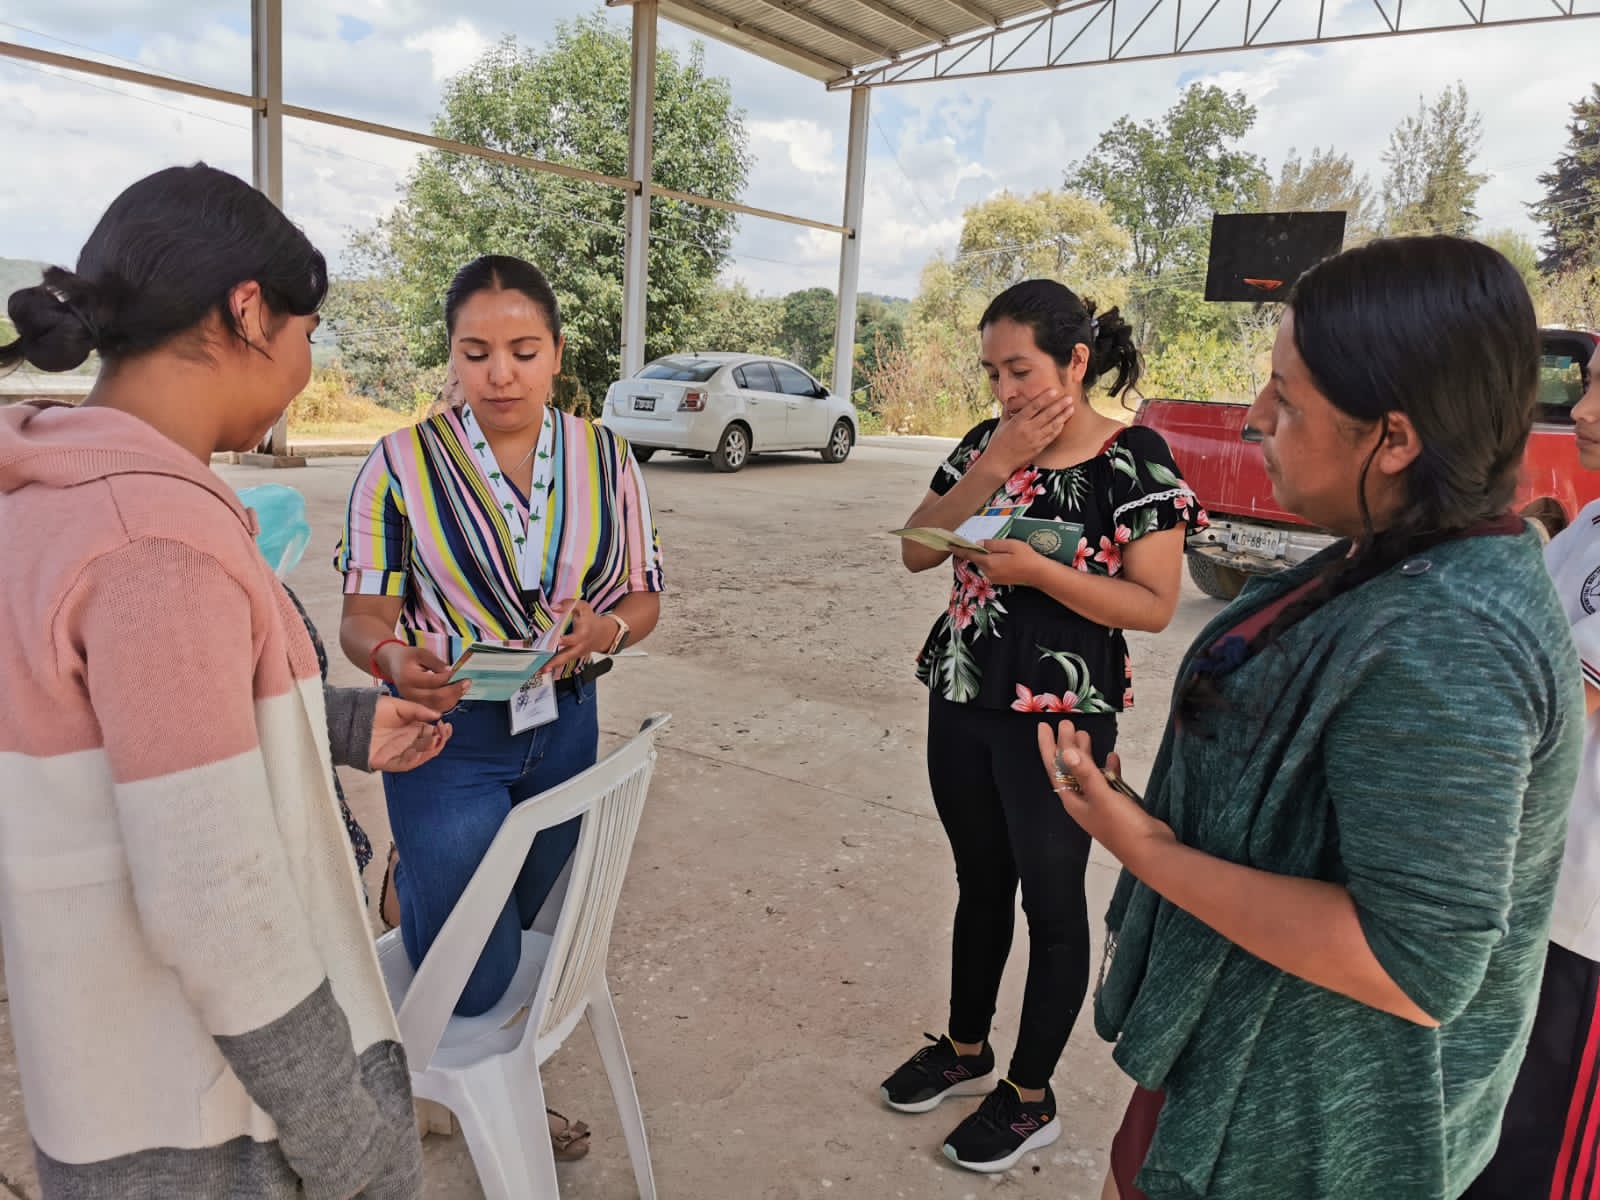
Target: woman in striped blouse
489 522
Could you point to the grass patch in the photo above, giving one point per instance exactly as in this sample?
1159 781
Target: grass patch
330 409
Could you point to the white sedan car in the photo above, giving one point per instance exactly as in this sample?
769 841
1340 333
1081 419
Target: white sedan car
728 407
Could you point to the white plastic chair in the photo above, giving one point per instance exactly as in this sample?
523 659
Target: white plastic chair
485 1069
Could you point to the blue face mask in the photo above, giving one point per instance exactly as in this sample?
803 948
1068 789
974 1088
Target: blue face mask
285 532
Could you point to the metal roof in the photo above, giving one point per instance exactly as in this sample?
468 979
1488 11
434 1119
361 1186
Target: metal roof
876 43
831 39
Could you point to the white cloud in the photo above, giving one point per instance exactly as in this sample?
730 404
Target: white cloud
808 146
77 144
453 48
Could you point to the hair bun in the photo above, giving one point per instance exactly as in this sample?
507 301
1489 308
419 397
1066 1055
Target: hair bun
54 330
1112 350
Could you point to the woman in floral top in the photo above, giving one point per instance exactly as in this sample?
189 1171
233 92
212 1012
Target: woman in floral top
1026 635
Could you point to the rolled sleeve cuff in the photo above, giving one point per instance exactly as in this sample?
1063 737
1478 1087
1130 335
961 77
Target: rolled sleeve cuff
1439 970
362 582
647 581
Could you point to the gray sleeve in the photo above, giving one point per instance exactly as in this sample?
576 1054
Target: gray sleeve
350 715
345 1123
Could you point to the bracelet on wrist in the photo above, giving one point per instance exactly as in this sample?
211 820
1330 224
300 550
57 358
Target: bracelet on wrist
372 659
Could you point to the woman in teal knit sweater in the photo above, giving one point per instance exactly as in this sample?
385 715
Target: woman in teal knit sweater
1325 949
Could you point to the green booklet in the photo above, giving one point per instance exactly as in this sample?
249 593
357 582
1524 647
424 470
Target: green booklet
1057 540
499 670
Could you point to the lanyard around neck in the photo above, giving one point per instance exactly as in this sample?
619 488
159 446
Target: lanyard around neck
526 536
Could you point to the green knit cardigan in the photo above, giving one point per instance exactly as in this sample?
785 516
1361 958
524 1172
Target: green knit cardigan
1416 740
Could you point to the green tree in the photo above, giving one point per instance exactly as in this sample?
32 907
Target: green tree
1199 366
1008 238
1055 235
1569 211
735 320
363 314
880 328
1571 298
568 103
1524 255
805 331
1327 182
1431 186
1162 181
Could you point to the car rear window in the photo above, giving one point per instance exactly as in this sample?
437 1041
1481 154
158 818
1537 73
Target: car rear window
1563 374
756 376
684 370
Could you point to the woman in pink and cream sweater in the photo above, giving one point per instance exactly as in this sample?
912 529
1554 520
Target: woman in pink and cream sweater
195 998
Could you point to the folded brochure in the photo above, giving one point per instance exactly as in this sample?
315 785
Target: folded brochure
499 670
940 539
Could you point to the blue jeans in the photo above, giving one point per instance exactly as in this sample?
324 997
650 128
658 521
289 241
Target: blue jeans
446 812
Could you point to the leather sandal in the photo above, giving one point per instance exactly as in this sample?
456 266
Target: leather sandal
571 1141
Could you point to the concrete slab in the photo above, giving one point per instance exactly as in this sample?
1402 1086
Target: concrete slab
784 934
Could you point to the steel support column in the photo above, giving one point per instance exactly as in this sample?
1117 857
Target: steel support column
641 156
266 137
855 179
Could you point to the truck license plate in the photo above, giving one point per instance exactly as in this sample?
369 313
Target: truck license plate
644 404
1268 542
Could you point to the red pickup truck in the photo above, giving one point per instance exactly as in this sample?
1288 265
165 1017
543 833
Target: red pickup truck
1251 535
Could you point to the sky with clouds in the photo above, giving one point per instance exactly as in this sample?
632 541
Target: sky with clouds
72 142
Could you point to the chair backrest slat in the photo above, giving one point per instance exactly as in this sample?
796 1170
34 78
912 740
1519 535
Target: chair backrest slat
609 797
578 952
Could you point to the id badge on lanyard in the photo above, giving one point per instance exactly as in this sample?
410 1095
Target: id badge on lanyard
527 536
535 704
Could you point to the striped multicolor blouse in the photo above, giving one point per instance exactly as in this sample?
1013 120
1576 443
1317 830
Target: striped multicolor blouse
422 524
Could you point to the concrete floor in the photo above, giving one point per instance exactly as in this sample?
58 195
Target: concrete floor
783 940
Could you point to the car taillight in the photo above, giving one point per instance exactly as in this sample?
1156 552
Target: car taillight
693 401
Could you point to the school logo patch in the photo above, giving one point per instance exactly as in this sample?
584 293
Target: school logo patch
1590 595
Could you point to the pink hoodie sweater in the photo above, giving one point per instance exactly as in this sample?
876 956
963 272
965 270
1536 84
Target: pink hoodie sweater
195 996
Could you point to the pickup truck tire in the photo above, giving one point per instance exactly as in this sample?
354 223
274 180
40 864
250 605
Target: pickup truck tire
644 453
1214 579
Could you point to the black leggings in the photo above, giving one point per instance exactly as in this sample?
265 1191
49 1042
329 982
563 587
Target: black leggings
1005 824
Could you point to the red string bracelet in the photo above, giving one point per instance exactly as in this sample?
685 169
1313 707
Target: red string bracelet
372 660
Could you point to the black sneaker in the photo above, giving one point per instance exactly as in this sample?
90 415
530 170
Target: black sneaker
1004 1128
935 1072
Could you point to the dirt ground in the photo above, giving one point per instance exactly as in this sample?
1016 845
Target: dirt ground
783 939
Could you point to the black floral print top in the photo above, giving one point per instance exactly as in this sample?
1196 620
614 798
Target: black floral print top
1015 647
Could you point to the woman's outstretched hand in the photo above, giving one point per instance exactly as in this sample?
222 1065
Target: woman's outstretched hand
405 735
1111 817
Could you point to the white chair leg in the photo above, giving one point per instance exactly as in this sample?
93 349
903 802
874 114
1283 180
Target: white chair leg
608 1037
503 1120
